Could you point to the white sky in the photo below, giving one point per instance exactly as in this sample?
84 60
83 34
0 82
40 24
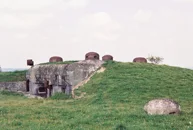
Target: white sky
39 29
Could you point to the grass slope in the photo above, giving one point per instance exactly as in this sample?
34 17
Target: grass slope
12 76
114 100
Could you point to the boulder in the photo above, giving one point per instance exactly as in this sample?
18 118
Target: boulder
162 107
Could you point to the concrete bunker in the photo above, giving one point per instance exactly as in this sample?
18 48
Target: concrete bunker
140 60
46 80
92 56
107 57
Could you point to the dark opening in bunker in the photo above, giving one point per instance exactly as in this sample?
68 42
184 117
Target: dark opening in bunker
27 86
42 89
171 113
49 91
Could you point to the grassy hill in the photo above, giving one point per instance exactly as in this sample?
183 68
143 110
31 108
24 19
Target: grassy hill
12 76
114 100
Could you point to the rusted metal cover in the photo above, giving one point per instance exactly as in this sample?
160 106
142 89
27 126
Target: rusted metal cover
56 59
92 56
107 57
30 62
140 60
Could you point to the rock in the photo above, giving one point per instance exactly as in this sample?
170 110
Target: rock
32 96
162 107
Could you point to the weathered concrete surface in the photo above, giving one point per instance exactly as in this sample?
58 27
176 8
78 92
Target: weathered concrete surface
60 77
13 86
162 107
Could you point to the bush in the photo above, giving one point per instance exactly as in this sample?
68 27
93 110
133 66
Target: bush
155 59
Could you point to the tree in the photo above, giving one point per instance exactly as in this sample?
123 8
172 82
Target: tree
155 59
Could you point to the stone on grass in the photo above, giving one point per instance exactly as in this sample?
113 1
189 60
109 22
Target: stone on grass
162 107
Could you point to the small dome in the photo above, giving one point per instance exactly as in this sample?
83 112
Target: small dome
140 60
107 57
92 56
56 59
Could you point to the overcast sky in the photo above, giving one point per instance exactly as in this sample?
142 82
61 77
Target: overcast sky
39 29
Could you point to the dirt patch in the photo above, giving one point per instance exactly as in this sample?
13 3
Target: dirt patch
101 70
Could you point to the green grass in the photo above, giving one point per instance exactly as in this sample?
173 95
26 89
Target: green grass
60 96
64 62
114 100
9 93
12 76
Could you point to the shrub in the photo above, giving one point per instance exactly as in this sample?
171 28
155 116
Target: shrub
155 59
